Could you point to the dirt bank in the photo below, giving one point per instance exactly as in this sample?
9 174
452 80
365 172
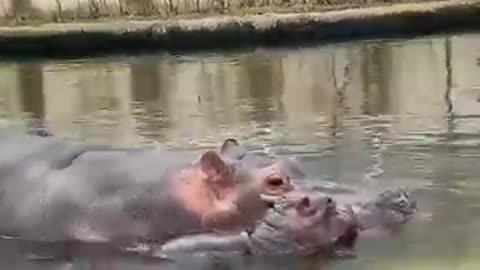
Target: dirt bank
78 39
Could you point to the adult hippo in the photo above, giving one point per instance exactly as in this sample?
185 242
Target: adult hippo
307 225
52 190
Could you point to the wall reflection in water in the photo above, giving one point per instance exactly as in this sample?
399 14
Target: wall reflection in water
317 92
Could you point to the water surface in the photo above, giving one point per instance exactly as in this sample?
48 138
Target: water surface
371 115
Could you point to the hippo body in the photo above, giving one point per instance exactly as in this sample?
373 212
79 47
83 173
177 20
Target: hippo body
52 190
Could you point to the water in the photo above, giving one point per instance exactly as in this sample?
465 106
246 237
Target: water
371 115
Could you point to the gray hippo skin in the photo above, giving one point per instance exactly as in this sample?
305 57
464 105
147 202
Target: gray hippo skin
297 225
307 225
388 211
51 190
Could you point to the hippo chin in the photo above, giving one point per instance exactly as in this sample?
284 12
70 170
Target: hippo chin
308 225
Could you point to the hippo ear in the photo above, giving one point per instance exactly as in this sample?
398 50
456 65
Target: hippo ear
231 149
228 144
211 164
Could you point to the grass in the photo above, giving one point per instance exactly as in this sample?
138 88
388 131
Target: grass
95 10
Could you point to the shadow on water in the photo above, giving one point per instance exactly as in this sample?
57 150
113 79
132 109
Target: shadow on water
372 115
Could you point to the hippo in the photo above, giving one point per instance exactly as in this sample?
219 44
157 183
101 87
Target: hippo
53 191
301 226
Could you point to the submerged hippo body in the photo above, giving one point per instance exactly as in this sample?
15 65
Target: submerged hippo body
52 191
303 226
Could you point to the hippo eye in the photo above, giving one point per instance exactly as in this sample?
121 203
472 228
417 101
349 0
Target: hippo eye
329 201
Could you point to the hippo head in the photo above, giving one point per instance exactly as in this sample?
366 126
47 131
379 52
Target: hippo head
305 224
272 176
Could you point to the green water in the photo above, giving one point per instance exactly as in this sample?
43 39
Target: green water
371 115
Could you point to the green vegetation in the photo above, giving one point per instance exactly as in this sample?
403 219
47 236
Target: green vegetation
34 11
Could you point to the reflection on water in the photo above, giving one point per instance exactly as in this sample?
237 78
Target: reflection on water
372 115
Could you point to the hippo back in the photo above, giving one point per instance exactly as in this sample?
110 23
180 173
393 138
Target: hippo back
54 190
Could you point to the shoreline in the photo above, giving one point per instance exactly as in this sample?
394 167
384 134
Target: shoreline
75 39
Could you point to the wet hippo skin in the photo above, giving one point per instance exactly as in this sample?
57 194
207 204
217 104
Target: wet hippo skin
295 226
52 190
306 225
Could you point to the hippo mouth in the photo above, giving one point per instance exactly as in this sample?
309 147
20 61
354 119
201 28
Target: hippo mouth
270 200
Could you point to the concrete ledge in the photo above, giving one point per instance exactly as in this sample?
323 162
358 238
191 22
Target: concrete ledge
85 39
